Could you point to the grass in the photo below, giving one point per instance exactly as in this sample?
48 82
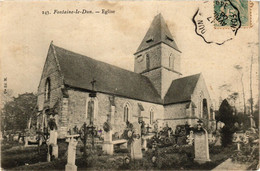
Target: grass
174 158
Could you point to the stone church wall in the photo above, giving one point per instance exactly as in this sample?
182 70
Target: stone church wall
50 71
175 114
198 95
77 110
154 55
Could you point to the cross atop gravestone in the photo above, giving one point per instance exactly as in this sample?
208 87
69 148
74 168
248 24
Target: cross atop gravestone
201 144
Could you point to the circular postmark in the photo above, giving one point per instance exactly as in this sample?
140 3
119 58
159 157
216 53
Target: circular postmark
208 17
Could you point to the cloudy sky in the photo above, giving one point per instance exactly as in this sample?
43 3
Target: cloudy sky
26 34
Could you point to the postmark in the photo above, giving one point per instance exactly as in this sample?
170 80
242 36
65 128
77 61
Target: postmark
232 13
205 20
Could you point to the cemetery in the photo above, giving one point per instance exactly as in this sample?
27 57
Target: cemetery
87 148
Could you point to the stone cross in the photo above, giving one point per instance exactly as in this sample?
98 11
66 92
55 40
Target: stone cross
190 138
201 146
70 166
136 146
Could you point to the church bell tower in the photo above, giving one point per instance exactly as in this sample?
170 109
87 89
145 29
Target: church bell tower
158 56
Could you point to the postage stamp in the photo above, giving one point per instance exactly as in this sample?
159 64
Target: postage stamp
232 13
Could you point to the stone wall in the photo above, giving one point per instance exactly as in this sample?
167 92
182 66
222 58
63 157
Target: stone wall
154 54
175 114
166 80
155 76
200 93
77 110
51 72
169 52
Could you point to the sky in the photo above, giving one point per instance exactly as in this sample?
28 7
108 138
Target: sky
26 34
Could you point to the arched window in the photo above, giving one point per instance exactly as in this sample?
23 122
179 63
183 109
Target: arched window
205 109
171 61
201 104
151 116
126 113
47 93
91 109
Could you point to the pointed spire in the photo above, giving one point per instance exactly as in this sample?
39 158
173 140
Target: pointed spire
157 33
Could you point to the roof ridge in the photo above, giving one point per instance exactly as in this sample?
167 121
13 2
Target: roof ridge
187 76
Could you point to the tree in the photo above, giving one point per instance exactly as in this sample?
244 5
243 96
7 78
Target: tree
226 116
239 69
17 112
251 68
256 114
226 113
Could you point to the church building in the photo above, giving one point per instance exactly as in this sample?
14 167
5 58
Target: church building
75 88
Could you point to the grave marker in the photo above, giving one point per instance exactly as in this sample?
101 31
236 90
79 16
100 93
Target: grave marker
52 145
136 146
201 145
70 166
108 146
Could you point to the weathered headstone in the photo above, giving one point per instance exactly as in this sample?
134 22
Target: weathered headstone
218 139
145 144
201 145
238 139
70 166
52 145
108 146
136 146
26 141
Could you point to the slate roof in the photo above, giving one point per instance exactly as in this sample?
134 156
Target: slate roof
78 72
157 33
181 89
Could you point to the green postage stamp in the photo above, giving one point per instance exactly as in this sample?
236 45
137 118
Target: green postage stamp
232 13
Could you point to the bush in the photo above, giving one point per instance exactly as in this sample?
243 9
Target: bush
226 135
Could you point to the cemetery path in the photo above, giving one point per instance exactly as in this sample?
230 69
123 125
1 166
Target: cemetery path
229 165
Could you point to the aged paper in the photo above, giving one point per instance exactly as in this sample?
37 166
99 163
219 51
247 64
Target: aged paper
218 40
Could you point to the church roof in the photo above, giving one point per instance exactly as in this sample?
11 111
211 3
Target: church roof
181 89
157 33
78 72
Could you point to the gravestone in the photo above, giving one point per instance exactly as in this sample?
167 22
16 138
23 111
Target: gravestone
201 145
52 145
145 144
136 145
70 166
238 139
218 139
108 146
